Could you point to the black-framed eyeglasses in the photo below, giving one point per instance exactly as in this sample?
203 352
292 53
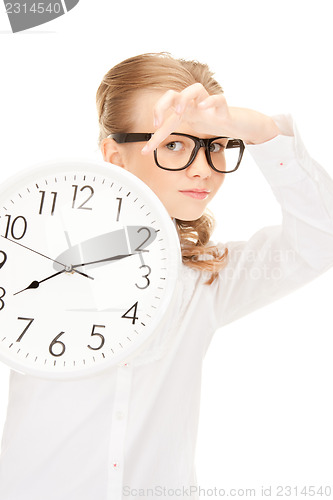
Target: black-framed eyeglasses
178 151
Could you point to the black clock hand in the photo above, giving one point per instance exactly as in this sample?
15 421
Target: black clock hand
67 268
115 257
35 284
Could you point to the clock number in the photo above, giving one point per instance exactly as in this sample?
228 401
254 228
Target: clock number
134 317
93 333
4 258
3 293
26 328
75 186
119 208
42 202
54 342
139 249
18 233
145 276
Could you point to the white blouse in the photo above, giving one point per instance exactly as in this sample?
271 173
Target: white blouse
131 431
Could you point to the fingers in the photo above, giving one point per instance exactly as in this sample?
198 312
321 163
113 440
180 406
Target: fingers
169 126
213 101
177 101
169 111
164 104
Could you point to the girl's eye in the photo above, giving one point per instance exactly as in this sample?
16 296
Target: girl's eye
216 147
174 146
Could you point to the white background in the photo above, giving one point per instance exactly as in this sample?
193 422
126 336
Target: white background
266 416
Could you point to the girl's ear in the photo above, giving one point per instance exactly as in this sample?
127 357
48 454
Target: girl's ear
112 152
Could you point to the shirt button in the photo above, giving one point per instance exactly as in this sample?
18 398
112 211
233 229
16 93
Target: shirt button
120 415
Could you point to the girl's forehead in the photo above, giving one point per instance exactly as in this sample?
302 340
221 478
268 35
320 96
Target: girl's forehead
143 108
147 98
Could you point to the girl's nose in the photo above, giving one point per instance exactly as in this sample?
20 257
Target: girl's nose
200 166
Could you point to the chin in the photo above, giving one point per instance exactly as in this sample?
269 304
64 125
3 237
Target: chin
188 216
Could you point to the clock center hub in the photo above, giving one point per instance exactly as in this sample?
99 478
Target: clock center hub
69 269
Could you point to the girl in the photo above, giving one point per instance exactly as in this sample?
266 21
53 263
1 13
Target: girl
131 431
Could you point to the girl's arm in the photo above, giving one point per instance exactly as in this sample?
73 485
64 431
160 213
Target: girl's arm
279 259
207 114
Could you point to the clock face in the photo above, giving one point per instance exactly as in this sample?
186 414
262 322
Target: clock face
89 260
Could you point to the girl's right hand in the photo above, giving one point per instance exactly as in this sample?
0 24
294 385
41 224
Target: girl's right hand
207 114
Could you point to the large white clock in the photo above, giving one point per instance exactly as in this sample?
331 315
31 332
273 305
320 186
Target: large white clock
89 259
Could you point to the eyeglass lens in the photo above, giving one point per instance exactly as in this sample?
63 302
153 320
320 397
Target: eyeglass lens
176 151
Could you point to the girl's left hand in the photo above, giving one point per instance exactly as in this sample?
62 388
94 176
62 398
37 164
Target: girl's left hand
209 115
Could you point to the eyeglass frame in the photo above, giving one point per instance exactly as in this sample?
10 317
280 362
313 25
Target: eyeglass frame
123 137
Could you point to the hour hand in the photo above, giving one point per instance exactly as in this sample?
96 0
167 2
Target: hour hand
35 284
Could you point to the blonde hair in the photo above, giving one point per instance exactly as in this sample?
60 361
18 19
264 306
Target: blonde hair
115 99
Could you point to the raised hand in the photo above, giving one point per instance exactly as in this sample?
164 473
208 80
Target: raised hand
209 115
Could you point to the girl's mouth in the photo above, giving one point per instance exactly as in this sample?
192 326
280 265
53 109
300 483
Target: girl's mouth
198 194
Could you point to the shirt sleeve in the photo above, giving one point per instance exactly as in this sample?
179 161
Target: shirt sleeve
276 260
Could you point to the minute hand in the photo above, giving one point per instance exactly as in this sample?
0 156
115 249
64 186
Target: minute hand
115 257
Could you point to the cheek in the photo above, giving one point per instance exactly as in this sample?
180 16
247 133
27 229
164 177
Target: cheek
218 181
162 185
145 169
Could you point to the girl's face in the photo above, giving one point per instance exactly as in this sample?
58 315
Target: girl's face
178 190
